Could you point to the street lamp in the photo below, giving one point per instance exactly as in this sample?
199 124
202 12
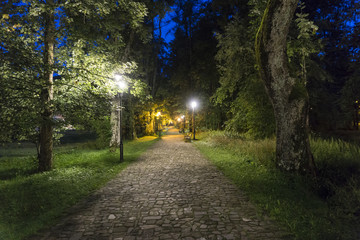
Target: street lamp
179 123
183 117
193 105
159 120
122 86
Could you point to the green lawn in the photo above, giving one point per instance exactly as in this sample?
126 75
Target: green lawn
324 208
30 201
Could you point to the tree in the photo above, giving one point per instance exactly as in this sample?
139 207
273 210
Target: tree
143 47
241 91
181 56
191 68
47 91
337 21
287 94
19 99
14 69
81 51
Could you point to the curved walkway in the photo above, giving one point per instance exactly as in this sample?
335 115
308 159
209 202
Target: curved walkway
171 192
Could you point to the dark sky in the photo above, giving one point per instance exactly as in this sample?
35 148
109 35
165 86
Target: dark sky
168 26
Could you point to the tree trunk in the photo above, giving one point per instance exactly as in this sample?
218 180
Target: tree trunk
131 120
288 96
115 123
156 50
46 96
356 115
127 50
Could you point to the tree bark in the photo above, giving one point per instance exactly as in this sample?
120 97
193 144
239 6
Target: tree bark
132 128
115 123
288 95
46 96
156 50
128 47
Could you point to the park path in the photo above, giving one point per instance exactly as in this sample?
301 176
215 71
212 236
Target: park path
171 192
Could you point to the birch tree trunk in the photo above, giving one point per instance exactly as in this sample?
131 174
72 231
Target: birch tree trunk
46 96
288 95
115 123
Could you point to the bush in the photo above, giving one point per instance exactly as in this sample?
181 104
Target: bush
102 128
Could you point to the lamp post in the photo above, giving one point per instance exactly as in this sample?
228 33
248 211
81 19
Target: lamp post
122 86
193 105
157 125
179 122
183 117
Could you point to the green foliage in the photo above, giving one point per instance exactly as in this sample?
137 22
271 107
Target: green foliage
29 201
210 117
19 81
298 92
331 107
302 44
298 203
241 91
349 103
90 40
191 67
103 131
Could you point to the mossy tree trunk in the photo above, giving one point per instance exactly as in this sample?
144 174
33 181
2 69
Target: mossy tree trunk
288 95
47 92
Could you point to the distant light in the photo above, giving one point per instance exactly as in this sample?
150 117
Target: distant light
179 119
182 116
158 114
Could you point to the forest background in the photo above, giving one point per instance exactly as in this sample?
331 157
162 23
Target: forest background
211 58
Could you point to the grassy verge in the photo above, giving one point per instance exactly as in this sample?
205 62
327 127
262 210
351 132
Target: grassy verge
30 201
324 208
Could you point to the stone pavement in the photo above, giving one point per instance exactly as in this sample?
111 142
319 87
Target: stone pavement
171 192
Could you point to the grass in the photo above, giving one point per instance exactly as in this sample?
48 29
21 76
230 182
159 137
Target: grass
324 208
30 201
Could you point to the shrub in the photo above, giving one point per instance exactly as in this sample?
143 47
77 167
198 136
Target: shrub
103 130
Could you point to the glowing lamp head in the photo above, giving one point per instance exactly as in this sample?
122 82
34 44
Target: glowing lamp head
120 82
158 114
193 104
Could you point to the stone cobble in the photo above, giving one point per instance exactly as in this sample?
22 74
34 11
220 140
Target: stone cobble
171 192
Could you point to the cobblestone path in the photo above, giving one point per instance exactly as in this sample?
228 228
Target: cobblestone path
171 192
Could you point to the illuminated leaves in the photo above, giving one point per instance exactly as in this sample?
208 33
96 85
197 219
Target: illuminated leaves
89 43
5 16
